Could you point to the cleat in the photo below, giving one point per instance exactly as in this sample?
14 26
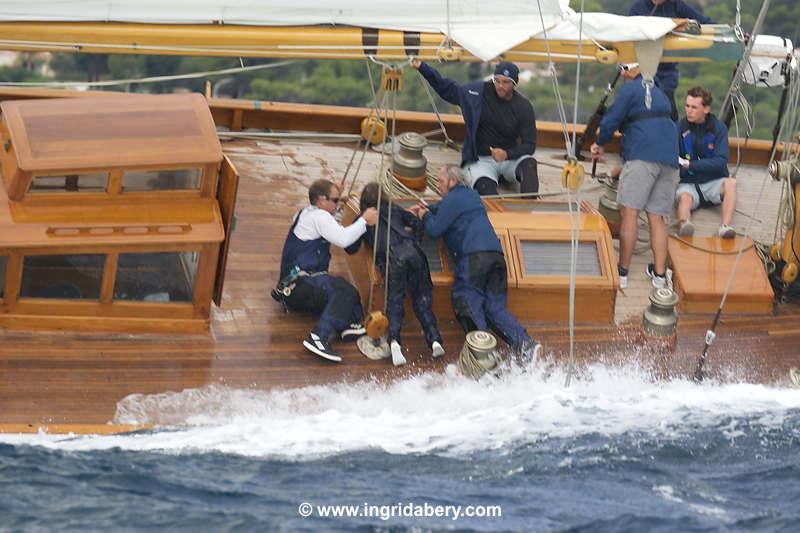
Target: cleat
316 345
353 331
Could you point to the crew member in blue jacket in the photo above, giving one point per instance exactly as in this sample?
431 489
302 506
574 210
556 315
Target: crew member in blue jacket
703 145
650 172
305 283
480 288
667 74
501 128
408 270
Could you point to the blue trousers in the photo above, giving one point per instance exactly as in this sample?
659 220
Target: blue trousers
480 297
409 273
333 298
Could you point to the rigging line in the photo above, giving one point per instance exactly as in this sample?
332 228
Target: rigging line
574 229
554 77
150 79
373 126
787 213
389 215
377 104
577 81
448 141
449 30
377 223
737 77
710 333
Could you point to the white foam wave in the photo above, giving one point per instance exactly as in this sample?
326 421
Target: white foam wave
439 413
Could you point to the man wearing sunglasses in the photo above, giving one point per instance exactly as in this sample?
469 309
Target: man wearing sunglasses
501 128
649 175
305 282
667 75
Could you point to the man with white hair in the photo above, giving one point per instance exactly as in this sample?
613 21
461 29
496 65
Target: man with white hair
480 287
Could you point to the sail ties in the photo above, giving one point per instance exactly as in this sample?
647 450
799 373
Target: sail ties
648 92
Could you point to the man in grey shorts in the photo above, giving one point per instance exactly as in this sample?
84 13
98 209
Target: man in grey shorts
649 176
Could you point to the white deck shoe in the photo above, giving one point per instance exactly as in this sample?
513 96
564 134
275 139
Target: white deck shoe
397 354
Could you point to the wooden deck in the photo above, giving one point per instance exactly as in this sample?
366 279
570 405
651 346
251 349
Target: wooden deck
72 382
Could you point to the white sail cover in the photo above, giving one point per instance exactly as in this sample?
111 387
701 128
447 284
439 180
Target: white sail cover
486 29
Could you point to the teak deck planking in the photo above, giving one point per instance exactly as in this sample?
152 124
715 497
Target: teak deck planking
70 381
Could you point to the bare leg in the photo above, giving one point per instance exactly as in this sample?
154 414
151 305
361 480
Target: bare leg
658 242
728 200
628 231
685 207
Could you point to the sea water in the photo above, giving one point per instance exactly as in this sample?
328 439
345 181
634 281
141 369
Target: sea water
615 450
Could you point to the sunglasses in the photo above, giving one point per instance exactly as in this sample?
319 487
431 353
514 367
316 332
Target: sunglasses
502 81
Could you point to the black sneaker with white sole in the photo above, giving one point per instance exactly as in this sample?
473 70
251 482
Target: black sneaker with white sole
316 345
353 332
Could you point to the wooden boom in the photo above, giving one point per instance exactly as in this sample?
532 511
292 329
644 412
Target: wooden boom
715 43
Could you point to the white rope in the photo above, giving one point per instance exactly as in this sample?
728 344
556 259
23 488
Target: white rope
424 83
745 60
151 79
554 76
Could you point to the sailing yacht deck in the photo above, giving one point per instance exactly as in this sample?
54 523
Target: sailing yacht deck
74 381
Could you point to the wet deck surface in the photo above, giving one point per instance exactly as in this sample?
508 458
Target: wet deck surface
53 378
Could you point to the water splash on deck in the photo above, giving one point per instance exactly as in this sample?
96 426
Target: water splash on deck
434 413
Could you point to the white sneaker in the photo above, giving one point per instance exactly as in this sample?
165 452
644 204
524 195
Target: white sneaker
726 232
659 282
623 277
436 350
397 354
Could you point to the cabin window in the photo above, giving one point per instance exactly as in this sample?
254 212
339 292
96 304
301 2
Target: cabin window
97 182
161 180
3 265
156 276
552 258
72 277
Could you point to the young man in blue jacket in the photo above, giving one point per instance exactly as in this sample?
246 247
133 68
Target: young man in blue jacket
501 128
703 144
480 288
667 75
650 173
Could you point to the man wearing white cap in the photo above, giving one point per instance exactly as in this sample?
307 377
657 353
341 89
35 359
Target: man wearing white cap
649 175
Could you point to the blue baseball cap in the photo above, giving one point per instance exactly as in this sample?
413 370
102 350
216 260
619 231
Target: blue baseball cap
507 69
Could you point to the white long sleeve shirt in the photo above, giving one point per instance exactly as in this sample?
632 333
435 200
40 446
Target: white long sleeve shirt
315 223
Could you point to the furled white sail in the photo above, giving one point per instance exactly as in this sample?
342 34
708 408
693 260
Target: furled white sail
486 29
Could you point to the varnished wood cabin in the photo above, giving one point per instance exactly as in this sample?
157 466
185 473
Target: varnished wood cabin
113 214
536 240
